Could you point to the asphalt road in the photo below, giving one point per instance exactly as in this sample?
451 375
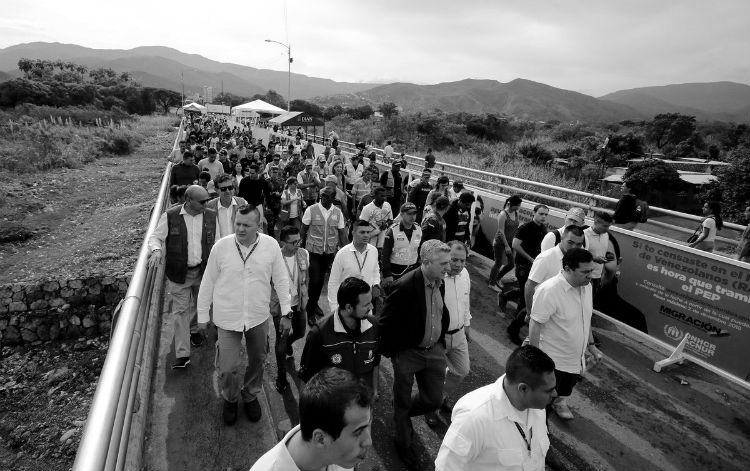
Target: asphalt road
628 417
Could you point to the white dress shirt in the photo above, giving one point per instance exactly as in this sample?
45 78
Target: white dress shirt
546 265
350 262
241 291
565 314
457 289
483 436
194 226
224 223
279 459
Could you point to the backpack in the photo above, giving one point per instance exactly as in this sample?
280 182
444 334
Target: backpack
641 210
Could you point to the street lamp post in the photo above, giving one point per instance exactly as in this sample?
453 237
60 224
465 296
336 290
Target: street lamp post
289 73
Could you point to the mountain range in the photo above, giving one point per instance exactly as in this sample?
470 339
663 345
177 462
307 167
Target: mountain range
164 67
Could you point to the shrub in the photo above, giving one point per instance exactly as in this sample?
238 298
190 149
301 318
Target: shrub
535 152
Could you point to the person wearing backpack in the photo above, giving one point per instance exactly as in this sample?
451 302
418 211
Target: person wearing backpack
710 225
629 212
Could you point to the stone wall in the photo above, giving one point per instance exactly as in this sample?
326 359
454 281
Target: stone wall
57 309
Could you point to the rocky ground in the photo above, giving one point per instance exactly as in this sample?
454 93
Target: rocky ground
74 222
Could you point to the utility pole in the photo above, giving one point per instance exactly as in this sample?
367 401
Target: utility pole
182 81
289 72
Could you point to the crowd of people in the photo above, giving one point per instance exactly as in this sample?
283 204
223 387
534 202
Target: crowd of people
255 232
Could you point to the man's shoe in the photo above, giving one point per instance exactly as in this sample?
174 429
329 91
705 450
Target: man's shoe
181 363
196 340
229 414
562 410
281 385
408 456
252 410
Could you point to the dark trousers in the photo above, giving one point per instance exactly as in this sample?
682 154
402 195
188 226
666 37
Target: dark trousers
503 263
299 326
522 275
565 384
428 367
319 266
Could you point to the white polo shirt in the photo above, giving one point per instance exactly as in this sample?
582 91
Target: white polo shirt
349 262
565 314
279 459
546 265
483 436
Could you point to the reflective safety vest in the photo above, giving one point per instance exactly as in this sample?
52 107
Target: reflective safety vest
323 235
462 229
405 251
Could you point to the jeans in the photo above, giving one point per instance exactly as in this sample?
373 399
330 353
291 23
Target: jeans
319 266
228 362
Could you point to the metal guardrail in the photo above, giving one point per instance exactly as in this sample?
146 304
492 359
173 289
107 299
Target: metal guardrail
104 443
494 182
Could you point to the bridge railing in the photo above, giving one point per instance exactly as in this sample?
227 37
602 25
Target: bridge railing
125 377
497 183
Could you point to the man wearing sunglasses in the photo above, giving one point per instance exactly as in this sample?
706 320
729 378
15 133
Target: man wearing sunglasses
225 205
188 231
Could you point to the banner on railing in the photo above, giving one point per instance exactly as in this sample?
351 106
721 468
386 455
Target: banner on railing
667 291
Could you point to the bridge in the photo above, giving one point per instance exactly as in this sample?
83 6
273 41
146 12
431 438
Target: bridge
629 417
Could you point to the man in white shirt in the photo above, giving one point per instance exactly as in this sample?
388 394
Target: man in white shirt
560 323
237 281
358 259
333 434
379 215
575 217
225 205
388 152
211 165
502 426
187 232
597 242
457 295
176 155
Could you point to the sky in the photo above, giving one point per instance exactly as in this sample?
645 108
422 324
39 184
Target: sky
589 46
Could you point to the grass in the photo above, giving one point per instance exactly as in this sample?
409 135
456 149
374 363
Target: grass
42 145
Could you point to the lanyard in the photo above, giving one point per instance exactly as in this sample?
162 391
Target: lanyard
523 435
239 251
361 265
292 273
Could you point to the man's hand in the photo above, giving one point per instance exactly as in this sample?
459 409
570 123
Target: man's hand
202 326
154 258
508 250
593 355
285 325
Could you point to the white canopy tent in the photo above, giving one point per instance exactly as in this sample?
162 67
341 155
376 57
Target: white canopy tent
259 106
195 107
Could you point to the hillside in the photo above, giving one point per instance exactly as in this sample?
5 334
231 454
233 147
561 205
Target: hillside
520 98
161 66
717 100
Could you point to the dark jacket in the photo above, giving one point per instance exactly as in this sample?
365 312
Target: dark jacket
329 344
402 321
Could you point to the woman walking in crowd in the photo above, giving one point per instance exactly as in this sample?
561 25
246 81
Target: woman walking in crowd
292 204
507 224
710 225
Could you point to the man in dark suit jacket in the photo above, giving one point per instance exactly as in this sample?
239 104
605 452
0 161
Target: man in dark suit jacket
412 328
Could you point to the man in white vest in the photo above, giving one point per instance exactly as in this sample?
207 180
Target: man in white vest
323 232
401 245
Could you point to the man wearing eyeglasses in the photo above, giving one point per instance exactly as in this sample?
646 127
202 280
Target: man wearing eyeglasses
225 205
188 232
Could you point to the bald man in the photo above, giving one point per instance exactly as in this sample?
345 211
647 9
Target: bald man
188 231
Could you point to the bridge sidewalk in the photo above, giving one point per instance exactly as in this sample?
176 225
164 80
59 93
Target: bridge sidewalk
185 430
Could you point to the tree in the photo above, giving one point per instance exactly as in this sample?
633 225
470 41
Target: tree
670 128
654 174
166 99
389 110
360 112
271 97
306 107
331 112
732 186
625 144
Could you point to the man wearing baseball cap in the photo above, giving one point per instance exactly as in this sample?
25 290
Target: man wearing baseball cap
401 245
575 216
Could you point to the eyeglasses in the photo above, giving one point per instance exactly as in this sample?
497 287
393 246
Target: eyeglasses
293 242
226 188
